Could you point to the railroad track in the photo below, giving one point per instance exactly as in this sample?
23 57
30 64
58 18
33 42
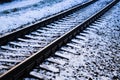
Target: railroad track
42 41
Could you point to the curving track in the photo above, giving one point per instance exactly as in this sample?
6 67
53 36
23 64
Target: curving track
36 46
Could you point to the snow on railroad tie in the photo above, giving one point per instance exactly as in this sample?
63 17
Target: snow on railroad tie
90 33
44 34
67 24
50 68
83 34
73 45
51 35
59 27
53 31
57 61
38 37
51 28
12 54
78 41
69 50
39 75
41 31
90 29
35 37
25 44
36 33
62 24
3 67
59 54
31 40
87 31
15 49
45 28
81 37
10 60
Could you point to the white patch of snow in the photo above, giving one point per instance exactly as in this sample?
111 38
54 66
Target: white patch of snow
18 4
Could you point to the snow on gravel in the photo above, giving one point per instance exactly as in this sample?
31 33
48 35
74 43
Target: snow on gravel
99 57
14 20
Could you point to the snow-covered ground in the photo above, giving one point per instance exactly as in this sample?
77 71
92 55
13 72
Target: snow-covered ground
18 4
23 12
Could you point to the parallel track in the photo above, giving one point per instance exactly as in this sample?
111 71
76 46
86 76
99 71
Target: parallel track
33 27
35 59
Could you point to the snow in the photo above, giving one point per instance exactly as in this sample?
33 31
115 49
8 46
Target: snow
50 68
57 61
63 55
20 18
8 60
40 76
3 67
18 4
